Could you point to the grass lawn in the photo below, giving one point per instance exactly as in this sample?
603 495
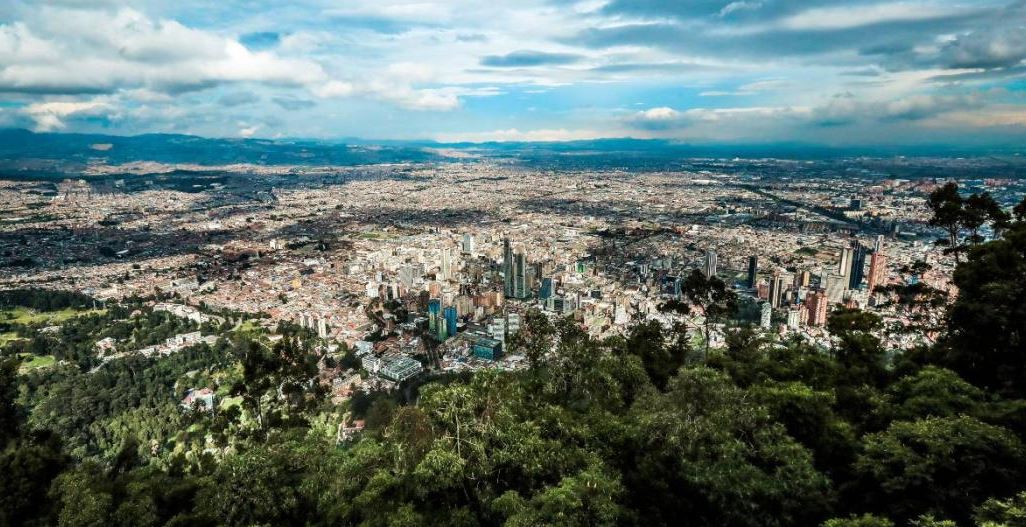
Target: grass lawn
24 315
33 362
7 337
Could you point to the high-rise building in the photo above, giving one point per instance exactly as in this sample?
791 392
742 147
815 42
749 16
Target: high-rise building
753 270
520 285
766 316
468 243
434 314
546 288
835 286
878 244
858 265
507 268
450 320
817 303
710 264
877 270
844 265
446 264
776 292
793 318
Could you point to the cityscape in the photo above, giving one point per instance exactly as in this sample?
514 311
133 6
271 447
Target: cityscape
608 263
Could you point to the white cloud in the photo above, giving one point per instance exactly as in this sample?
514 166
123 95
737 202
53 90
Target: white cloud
843 17
513 134
50 116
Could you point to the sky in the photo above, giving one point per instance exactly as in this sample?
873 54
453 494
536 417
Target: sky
837 72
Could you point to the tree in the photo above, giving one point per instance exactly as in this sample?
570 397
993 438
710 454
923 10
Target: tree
535 338
866 520
987 322
857 349
661 359
955 214
938 465
947 207
712 297
934 392
707 452
1009 512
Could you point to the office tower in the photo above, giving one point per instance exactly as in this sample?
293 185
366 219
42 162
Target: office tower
835 285
710 264
546 289
817 305
507 268
434 313
858 265
753 270
446 264
802 279
468 244
520 288
450 320
844 265
766 316
877 270
776 291
878 245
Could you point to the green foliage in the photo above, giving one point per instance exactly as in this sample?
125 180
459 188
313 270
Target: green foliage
1009 512
987 322
940 465
865 520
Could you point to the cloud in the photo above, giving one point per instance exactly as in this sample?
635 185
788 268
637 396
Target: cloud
529 58
238 98
49 116
75 52
291 104
987 49
739 6
666 118
514 135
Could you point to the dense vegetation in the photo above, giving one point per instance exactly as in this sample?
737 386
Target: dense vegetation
644 429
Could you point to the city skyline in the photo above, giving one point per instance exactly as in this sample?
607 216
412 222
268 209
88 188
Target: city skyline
934 72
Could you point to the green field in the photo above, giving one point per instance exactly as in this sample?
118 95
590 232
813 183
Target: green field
24 315
33 362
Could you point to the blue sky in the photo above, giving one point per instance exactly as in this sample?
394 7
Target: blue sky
823 71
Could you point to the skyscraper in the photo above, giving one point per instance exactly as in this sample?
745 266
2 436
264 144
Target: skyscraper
877 270
434 314
507 268
835 285
817 304
468 243
546 288
753 270
710 263
446 264
844 265
858 265
520 287
450 320
776 292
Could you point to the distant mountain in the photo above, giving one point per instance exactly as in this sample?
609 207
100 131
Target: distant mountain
22 151
18 144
